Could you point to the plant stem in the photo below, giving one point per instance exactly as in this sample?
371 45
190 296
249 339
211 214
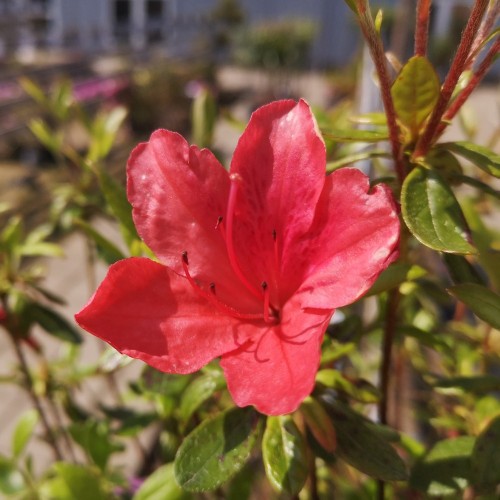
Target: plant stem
457 67
422 27
378 55
37 403
483 68
484 30
387 342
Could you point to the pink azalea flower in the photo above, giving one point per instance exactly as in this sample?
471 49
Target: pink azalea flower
253 262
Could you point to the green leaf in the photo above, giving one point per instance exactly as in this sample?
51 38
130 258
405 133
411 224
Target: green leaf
461 270
203 117
34 91
47 137
11 480
216 449
103 131
319 423
485 458
478 385
285 455
485 240
161 485
363 447
415 93
432 213
197 392
446 468
23 432
359 390
356 135
394 275
471 181
483 302
53 323
116 198
41 249
480 156
353 158
73 482
107 250
95 439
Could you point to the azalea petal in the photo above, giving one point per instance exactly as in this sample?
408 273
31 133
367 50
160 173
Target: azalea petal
146 311
353 239
280 163
277 372
178 193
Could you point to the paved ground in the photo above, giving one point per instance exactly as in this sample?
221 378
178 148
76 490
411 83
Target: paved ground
67 276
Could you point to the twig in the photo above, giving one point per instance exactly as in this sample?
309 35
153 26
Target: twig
457 67
378 55
51 439
422 27
462 97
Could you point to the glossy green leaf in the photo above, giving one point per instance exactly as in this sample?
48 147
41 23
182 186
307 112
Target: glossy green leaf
480 156
106 249
446 469
461 270
394 275
73 482
356 135
284 454
319 423
415 93
53 323
363 447
485 459
11 480
216 449
432 212
23 431
161 485
482 301
197 392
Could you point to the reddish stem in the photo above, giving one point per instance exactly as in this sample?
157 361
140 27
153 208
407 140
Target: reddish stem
484 31
483 68
422 27
378 55
457 67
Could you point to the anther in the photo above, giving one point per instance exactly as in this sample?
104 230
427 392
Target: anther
219 221
212 287
274 235
185 258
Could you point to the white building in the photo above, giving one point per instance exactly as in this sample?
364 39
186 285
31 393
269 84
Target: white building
105 25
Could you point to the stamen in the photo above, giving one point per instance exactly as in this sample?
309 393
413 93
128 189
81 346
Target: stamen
224 308
235 180
212 287
219 221
265 289
277 263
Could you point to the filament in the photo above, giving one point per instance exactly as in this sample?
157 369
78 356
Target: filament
210 296
235 180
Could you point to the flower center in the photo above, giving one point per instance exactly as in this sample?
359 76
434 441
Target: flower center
270 314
